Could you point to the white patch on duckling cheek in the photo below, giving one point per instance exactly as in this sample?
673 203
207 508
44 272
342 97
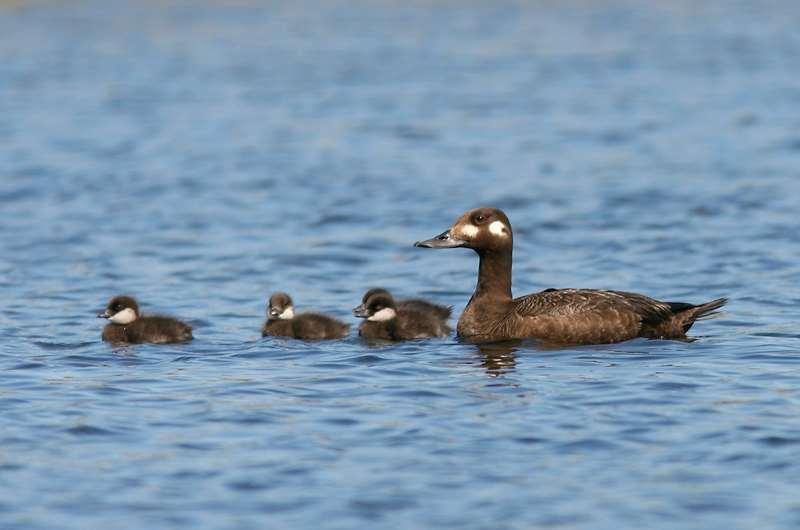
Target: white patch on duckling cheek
498 229
287 314
124 317
468 231
387 313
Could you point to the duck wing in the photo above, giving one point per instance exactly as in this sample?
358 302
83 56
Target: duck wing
570 302
588 315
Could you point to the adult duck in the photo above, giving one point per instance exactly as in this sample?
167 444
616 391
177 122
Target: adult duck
563 316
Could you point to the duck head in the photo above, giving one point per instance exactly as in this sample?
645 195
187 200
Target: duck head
480 229
121 310
378 306
281 306
371 292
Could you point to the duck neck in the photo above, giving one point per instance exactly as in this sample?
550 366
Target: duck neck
494 275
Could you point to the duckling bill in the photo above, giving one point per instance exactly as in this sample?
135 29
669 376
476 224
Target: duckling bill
564 316
388 319
282 322
128 325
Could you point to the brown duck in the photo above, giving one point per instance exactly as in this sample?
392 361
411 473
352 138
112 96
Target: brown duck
388 319
282 322
128 325
442 312
565 316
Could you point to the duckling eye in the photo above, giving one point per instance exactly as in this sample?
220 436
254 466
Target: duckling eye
116 307
480 218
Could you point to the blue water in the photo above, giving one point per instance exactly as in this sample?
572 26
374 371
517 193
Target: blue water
201 155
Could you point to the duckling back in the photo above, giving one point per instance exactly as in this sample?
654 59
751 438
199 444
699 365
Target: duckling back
149 329
415 324
306 326
442 312
408 324
314 326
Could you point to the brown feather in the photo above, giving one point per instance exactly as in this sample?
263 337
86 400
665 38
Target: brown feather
153 329
306 326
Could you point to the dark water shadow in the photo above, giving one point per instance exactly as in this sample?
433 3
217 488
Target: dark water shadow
498 358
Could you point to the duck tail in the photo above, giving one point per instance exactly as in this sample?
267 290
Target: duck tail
445 311
690 313
709 309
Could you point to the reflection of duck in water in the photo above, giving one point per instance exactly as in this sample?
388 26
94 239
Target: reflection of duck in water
565 316
498 357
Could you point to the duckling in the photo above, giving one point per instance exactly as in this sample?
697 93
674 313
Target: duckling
282 322
562 316
128 325
417 304
388 320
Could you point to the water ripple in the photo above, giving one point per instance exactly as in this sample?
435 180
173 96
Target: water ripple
202 156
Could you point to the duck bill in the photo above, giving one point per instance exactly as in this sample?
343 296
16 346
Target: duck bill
443 240
104 314
360 311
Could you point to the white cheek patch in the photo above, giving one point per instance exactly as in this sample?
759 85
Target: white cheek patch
468 231
287 314
387 313
498 229
124 317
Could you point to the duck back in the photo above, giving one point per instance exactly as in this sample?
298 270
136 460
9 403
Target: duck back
409 324
313 326
149 329
441 312
306 326
412 324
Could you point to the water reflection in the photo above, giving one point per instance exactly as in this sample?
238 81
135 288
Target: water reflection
498 358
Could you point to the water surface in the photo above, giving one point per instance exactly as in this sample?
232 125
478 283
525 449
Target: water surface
201 155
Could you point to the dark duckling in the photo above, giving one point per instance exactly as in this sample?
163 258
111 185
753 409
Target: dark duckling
282 322
442 312
562 316
388 320
128 325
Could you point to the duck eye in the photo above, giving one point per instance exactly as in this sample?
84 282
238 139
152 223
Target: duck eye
480 218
